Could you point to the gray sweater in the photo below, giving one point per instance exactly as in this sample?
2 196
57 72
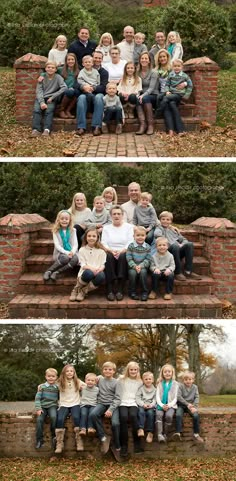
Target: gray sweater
98 218
89 396
162 262
150 82
50 88
146 396
108 394
171 235
188 395
89 77
145 216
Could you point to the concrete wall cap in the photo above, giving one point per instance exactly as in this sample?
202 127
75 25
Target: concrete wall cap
31 58
214 223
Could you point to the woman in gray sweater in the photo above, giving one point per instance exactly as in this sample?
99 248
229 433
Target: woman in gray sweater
148 97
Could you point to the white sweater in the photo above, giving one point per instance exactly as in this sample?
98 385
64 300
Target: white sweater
57 56
117 238
129 388
91 256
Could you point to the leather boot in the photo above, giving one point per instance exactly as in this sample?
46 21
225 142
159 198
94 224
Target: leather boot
64 105
149 118
89 287
48 273
142 122
78 440
70 107
131 111
60 433
81 286
74 292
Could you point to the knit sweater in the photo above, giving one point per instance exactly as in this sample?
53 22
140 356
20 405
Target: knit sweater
57 56
138 254
89 396
47 397
145 216
174 79
128 389
90 77
80 217
172 395
99 217
171 235
138 49
109 394
162 262
70 397
146 395
188 395
58 244
91 256
129 87
150 82
50 88
126 50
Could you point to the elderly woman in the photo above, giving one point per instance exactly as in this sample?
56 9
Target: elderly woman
116 67
115 238
148 98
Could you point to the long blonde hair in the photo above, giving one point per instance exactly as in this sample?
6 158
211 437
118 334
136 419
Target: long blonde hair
56 227
60 37
177 38
62 379
126 371
161 377
156 60
72 208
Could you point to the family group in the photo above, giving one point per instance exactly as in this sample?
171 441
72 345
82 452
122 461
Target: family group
112 243
128 399
113 82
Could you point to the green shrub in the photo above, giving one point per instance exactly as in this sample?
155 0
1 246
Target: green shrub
32 26
17 385
231 12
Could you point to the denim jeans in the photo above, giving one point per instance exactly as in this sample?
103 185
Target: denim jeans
146 417
130 413
150 99
178 251
179 419
85 417
113 113
169 107
97 279
43 116
134 276
52 414
63 412
156 278
132 99
96 417
89 102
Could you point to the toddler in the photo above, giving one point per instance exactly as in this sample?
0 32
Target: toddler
88 75
146 401
139 46
138 256
162 268
89 394
145 215
112 109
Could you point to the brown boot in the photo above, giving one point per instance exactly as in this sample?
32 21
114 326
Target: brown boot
149 118
64 105
60 433
142 122
78 440
89 287
131 111
74 292
70 107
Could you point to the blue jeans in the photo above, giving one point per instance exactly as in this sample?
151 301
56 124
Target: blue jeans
112 113
178 251
156 278
169 107
88 276
179 419
63 412
146 416
43 116
52 414
134 276
96 416
150 99
87 102
85 417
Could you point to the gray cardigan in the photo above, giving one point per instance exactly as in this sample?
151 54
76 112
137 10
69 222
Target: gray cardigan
150 82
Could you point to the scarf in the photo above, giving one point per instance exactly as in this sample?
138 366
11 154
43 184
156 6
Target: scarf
171 48
65 237
166 388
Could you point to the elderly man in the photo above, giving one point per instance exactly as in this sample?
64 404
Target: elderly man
134 192
160 40
127 45
82 45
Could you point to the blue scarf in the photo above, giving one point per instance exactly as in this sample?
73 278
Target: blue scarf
166 388
65 237
171 48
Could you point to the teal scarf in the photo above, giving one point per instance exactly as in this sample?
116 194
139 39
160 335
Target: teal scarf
166 388
171 48
65 237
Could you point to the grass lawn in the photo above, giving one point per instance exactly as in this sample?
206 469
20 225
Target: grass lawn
223 400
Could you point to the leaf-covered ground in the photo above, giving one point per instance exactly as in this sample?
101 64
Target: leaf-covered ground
207 469
219 141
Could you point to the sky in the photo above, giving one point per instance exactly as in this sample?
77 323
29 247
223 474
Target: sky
226 351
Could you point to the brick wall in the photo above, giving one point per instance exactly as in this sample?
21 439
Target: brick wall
219 239
218 430
16 232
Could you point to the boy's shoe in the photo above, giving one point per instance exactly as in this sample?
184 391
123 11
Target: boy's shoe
192 275
97 131
161 438
105 444
140 432
119 129
180 277
46 132
35 133
105 128
134 296
82 432
119 296
176 437
197 438
152 295
149 438
111 296
138 450
167 297
116 453
80 132
91 431
39 444
144 297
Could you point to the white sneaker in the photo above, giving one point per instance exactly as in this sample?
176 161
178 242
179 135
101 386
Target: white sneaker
161 438
46 132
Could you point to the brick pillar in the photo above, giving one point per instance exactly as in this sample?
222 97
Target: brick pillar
219 239
16 232
204 75
28 69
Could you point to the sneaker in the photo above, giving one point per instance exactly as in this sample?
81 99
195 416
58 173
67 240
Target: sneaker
47 275
197 438
119 129
80 132
149 438
167 297
144 297
105 129
192 275
152 295
161 438
180 277
105 444
134 296
119 296
116 453
39 444
111 296
176 437
46 132
82 432
35 133
91 431
140 432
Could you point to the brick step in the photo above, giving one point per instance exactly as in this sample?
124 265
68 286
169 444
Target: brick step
131 125
32 282
96 307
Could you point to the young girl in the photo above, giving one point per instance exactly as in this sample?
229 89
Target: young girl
69 402
174 46
129 88
104 45
166 397
58 51
110 196
69 73
129 384
80 215
92 258
65 253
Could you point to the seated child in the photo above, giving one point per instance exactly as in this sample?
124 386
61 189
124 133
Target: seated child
112 109
187 401
146 401
47 91
88 75
139 46
138 256
145 215
58 51
166 397
179 246
162 267
46 404
88 400
99 215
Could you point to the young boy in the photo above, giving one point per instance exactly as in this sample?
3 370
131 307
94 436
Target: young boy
188 400
47 91
108 403
99 216
145 215
178 245
138 256
88 75
162 268
139 46
113 109
146 401
88 400
46 404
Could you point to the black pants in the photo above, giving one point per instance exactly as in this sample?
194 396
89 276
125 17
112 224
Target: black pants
112 113
115 268
131 414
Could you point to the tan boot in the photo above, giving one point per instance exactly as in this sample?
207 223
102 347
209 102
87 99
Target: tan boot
74 292
142 121
149 437
149 118
78 440
70 107
60 433
80 293
88 288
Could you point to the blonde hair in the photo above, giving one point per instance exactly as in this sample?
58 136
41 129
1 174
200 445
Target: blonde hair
109 364
52 370
188 374
177 38
140 34
51 62
90 374
98 197
126 371
86 57
156 59
162 239
106 34
109 84
177 60
73 207
139 228
161 377
166 213
113 191
148 373
60 37
57 226
62 379
145 195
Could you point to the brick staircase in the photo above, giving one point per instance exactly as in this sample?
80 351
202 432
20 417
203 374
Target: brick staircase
36 299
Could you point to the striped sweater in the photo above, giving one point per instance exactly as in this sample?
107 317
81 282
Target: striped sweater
47 396
138 254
